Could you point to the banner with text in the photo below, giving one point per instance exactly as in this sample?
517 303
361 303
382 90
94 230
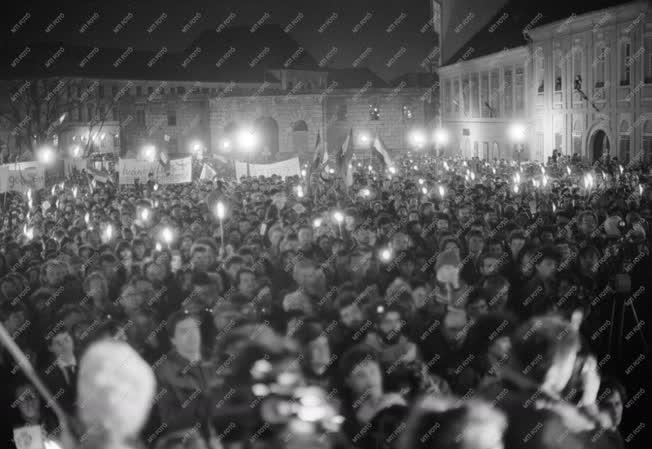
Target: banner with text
289 167
21 177
180 171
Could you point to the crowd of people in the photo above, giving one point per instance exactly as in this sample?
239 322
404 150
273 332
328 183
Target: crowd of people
438 303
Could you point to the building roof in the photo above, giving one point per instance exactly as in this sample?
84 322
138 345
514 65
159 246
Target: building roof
506 27
354 78
234 54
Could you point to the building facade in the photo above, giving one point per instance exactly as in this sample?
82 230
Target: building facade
581 85
288 123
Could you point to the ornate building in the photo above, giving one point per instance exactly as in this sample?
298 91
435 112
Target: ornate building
580 83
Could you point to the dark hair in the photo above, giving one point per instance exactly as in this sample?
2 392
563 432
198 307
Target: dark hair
609 386
355 356
176 318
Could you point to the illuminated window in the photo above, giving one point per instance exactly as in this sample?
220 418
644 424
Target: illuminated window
625 63
624 141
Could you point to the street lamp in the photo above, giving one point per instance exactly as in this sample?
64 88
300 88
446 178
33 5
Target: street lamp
339 218
149 153
517 133
417 138
221 213
46 154
247 139
76 151
167 236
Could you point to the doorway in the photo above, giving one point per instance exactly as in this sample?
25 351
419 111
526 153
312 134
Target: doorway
599 145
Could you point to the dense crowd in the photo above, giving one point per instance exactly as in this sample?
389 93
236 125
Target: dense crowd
440 303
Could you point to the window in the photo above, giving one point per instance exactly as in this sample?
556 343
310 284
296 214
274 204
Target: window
475 95
494 98
509 85
374 112
484 94
116 141
204 90
624 142
114 113
519 94
558 127
140 118
558 60
576 142
341 112
447 97
172 117
139 91
100 91
114 91
150 90
173 145
647 140
625 63
455 96
539 66
600 65
647 70
578 56
89 110
181 90
466 95
407 112
213 91
79 114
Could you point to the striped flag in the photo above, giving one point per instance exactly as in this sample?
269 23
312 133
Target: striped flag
344 157
381 150
207 173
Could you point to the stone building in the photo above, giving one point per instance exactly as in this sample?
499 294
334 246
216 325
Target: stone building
579 83
117 101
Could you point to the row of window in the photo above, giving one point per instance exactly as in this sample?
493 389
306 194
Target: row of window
483 95
79 91
599 64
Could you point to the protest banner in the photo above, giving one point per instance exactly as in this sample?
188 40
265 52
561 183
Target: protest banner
180 171
22 176
289 167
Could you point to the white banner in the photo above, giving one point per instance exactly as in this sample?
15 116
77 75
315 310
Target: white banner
289 167
22 176
180 171
240 170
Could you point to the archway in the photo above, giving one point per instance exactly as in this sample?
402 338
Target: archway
299 137
267 130
598 145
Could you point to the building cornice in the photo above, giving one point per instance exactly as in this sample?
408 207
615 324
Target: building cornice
594 20
505 56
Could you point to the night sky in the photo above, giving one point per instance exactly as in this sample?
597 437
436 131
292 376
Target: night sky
392 29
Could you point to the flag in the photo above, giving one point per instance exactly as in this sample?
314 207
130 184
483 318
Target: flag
379 147
164 161
319 153
207 173
344 157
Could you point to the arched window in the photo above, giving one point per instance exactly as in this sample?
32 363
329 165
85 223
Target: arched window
559 70
600 66
577 137
578 75
300 137
647 139
625 63
624 141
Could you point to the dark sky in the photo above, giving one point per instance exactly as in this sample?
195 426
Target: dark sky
336 18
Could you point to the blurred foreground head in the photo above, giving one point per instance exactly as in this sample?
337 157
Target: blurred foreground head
449 423
116 387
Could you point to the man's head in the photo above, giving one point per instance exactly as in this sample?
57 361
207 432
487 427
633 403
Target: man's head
488 265
246 282
454 327
60 342
389 322
351 314
516 242
475 242
546 264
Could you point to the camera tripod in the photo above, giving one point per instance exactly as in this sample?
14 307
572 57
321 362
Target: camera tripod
622 308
